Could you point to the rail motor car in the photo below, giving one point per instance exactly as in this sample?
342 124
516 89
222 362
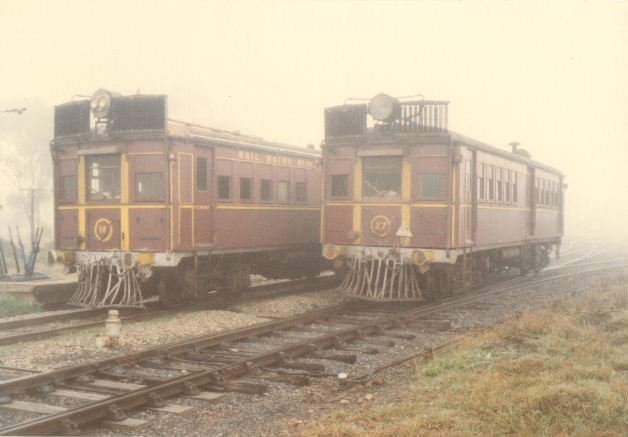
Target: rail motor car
145 204
413 210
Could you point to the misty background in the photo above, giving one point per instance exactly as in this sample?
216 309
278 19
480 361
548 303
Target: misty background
552 76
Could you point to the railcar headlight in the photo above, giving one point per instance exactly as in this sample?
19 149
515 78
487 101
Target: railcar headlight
331 251
101 103
383 107
422 257
128 260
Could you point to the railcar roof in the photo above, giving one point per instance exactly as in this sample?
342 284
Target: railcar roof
177 128
455 136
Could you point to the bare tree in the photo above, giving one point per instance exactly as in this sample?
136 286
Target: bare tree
25 160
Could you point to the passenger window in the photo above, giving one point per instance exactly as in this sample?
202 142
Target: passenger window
201 174
224 187
149 186
468 181
67 188
283 191
491 183
432 186
382 176
103 177
246 189
301 192
339 185
481 182
265 190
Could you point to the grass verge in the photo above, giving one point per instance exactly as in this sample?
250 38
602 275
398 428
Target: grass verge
559 371
15 307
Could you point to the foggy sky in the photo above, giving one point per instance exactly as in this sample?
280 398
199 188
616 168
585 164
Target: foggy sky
553 77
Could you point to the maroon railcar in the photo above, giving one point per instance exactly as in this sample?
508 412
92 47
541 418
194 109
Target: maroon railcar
145 203
412 210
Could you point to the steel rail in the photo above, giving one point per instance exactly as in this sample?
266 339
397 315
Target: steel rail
31 381
20 323
68 420
255 293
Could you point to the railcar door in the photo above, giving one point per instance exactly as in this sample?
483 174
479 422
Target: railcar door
203 201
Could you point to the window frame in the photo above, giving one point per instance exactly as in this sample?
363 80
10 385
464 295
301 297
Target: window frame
88 178
62 191
499 185
481 194
287 182
491 183
507 187
207 184
270 189
138 197
445 186
347 185
229 178
366 159
296 192
251 197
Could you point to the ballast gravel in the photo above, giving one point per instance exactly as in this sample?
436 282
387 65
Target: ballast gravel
80 347
289 306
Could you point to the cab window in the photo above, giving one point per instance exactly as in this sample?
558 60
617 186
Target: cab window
67 188
382 177
103 177
339 185
149 186
432 186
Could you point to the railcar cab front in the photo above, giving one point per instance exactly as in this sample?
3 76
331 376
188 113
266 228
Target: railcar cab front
388 168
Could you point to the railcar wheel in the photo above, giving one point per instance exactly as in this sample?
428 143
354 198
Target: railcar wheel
186 282
429 286
446 283
168 290
238 279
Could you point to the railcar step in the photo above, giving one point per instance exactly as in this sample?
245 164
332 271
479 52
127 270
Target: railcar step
33 407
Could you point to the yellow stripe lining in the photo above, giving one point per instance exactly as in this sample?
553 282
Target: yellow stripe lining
279 208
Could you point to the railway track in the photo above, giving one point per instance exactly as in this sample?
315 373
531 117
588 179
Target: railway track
33 328
286 350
